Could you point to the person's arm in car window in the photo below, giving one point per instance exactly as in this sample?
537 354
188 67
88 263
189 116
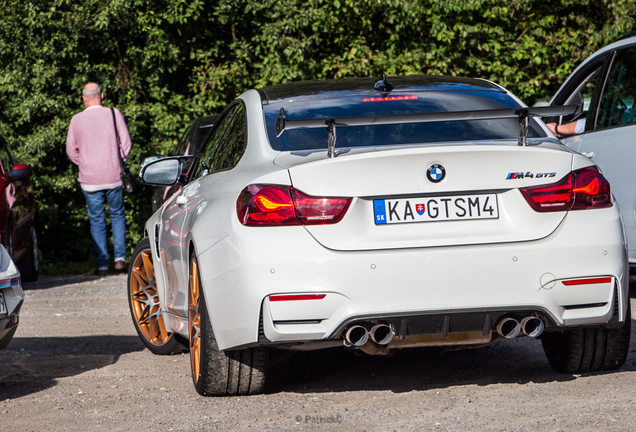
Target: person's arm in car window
572 128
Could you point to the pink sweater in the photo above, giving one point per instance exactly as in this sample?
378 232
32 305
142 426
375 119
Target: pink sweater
92 145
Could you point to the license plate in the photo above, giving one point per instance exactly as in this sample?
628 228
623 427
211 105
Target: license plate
3 304
435 209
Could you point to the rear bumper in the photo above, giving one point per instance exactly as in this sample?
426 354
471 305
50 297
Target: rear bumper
9 325
433 282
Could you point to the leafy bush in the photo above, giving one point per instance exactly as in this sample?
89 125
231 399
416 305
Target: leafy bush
164 63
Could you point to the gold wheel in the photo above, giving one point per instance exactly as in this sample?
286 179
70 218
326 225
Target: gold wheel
144 300
194 320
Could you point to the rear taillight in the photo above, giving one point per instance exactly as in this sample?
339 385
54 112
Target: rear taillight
591 190
581 189
270 205
319 210
266 205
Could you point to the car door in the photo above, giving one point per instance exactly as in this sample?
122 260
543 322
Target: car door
609 138
173 241
18 205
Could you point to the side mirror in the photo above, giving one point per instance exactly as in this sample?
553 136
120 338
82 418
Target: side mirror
163 172
20 172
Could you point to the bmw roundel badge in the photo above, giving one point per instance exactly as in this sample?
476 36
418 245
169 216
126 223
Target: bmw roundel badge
436 173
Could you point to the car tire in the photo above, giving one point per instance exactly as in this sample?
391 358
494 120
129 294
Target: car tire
30 265
588 350
215 372
145 305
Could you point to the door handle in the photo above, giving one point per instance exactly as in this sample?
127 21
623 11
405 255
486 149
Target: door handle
588 154
181 201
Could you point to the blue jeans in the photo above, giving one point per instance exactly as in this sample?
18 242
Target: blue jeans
97 214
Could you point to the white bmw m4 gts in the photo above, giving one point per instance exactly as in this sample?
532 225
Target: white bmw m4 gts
378 216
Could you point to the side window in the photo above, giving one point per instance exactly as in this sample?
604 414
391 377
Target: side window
617 102
209 148
233 145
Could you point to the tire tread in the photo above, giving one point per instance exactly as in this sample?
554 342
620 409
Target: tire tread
228 373
588 350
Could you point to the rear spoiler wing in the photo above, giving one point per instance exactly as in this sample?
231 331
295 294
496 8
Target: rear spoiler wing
523 114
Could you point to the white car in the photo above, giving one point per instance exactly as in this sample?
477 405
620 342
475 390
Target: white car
376 216
604 86
11 298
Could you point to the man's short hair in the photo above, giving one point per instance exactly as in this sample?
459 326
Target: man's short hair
91 91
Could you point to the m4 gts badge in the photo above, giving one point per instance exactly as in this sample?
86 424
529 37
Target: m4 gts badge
520 175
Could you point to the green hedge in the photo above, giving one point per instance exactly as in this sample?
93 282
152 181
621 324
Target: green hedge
164 63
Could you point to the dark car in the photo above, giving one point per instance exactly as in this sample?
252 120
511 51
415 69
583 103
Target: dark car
188 144
18 210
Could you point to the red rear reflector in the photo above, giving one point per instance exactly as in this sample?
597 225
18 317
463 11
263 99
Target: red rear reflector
294 297
581 189
269 205
587 281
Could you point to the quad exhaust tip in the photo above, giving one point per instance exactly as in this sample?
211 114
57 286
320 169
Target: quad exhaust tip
381 334
510 328
357 336
532 326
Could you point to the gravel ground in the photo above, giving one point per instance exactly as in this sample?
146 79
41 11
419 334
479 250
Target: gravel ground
76 364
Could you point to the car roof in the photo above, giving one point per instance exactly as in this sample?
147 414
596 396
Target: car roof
353 86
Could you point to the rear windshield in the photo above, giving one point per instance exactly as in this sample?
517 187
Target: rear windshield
400 134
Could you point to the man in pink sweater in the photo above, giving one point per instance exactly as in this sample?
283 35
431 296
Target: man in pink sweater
92 145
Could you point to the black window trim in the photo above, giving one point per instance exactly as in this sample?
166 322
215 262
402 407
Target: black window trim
607 67
206 140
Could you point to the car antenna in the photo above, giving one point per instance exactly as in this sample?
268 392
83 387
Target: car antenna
383 86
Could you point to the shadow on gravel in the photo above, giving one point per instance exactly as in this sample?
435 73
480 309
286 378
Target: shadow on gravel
30 365
56 281
518 361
